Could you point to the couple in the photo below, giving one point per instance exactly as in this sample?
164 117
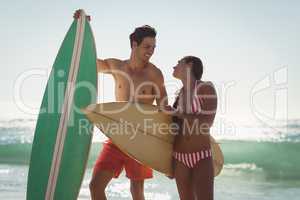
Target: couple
138 80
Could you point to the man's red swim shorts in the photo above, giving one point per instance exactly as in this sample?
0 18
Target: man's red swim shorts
111 158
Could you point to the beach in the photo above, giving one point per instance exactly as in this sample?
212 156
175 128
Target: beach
253 170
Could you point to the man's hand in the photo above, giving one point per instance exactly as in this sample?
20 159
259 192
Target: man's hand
166 109
77 14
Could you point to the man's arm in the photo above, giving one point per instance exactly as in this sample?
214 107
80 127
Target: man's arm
107 65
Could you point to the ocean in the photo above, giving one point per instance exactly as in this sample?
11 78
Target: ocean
261 163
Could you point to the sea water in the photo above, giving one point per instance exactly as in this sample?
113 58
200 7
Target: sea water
264 167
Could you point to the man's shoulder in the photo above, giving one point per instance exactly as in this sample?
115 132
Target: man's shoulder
154 70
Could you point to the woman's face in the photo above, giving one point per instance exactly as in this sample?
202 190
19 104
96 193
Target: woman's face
181 69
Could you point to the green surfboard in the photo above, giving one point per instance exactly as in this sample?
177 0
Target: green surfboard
63 135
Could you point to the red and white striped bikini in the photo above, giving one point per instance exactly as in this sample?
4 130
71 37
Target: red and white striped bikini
190 160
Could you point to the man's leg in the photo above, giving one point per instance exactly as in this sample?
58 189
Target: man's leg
137 173
108 165
137 189
98 184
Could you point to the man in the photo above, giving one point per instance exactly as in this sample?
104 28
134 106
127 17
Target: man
136 80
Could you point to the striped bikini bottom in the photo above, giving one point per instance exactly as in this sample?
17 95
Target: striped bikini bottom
190 160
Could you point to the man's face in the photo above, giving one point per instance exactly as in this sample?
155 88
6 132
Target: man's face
145 50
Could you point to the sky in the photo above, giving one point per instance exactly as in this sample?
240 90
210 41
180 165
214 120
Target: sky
250 50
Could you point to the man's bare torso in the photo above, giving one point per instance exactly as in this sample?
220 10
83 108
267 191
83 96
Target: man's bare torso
134 85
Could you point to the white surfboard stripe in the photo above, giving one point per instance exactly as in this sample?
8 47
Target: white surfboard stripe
66 108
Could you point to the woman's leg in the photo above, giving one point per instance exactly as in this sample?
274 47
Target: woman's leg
182 175
203 180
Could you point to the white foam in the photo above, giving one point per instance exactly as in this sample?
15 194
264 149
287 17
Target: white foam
18 123
259 133
242 166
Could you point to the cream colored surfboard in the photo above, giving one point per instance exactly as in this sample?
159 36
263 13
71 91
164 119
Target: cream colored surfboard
142 132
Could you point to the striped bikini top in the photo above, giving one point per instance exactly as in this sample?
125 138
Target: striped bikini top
196 103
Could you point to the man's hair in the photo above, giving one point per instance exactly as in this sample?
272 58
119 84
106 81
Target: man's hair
197 66
140 33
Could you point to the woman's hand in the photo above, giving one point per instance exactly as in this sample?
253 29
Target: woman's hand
168 109
176 114
170 177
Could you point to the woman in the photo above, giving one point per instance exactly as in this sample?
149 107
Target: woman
195 109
